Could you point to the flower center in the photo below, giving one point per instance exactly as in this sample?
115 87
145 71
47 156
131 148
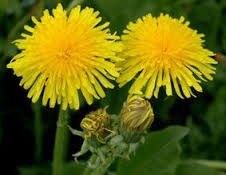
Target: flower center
64 54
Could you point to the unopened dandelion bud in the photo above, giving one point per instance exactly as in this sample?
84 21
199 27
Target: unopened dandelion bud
136 114
96 124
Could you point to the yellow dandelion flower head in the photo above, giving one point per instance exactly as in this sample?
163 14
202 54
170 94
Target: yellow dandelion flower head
63 54
164 51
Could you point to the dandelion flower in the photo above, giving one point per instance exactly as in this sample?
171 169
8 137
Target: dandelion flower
63 54
164 51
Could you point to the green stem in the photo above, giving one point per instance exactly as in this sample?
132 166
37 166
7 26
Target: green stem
102 169
61 142
97 167
38 131
92 160
212 163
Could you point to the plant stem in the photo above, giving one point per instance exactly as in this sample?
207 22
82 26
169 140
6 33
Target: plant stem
61 142
212 163
92 161
38 131
97 167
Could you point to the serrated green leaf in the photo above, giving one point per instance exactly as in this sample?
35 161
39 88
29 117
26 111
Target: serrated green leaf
159 155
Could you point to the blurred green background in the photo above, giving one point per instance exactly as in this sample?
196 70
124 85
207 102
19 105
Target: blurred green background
27 130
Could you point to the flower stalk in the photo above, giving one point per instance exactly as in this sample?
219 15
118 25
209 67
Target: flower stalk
38 131
61 142
94 160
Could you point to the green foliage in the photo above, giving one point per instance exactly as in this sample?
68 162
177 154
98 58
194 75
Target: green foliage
208 138
159 155
196 169
68 169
